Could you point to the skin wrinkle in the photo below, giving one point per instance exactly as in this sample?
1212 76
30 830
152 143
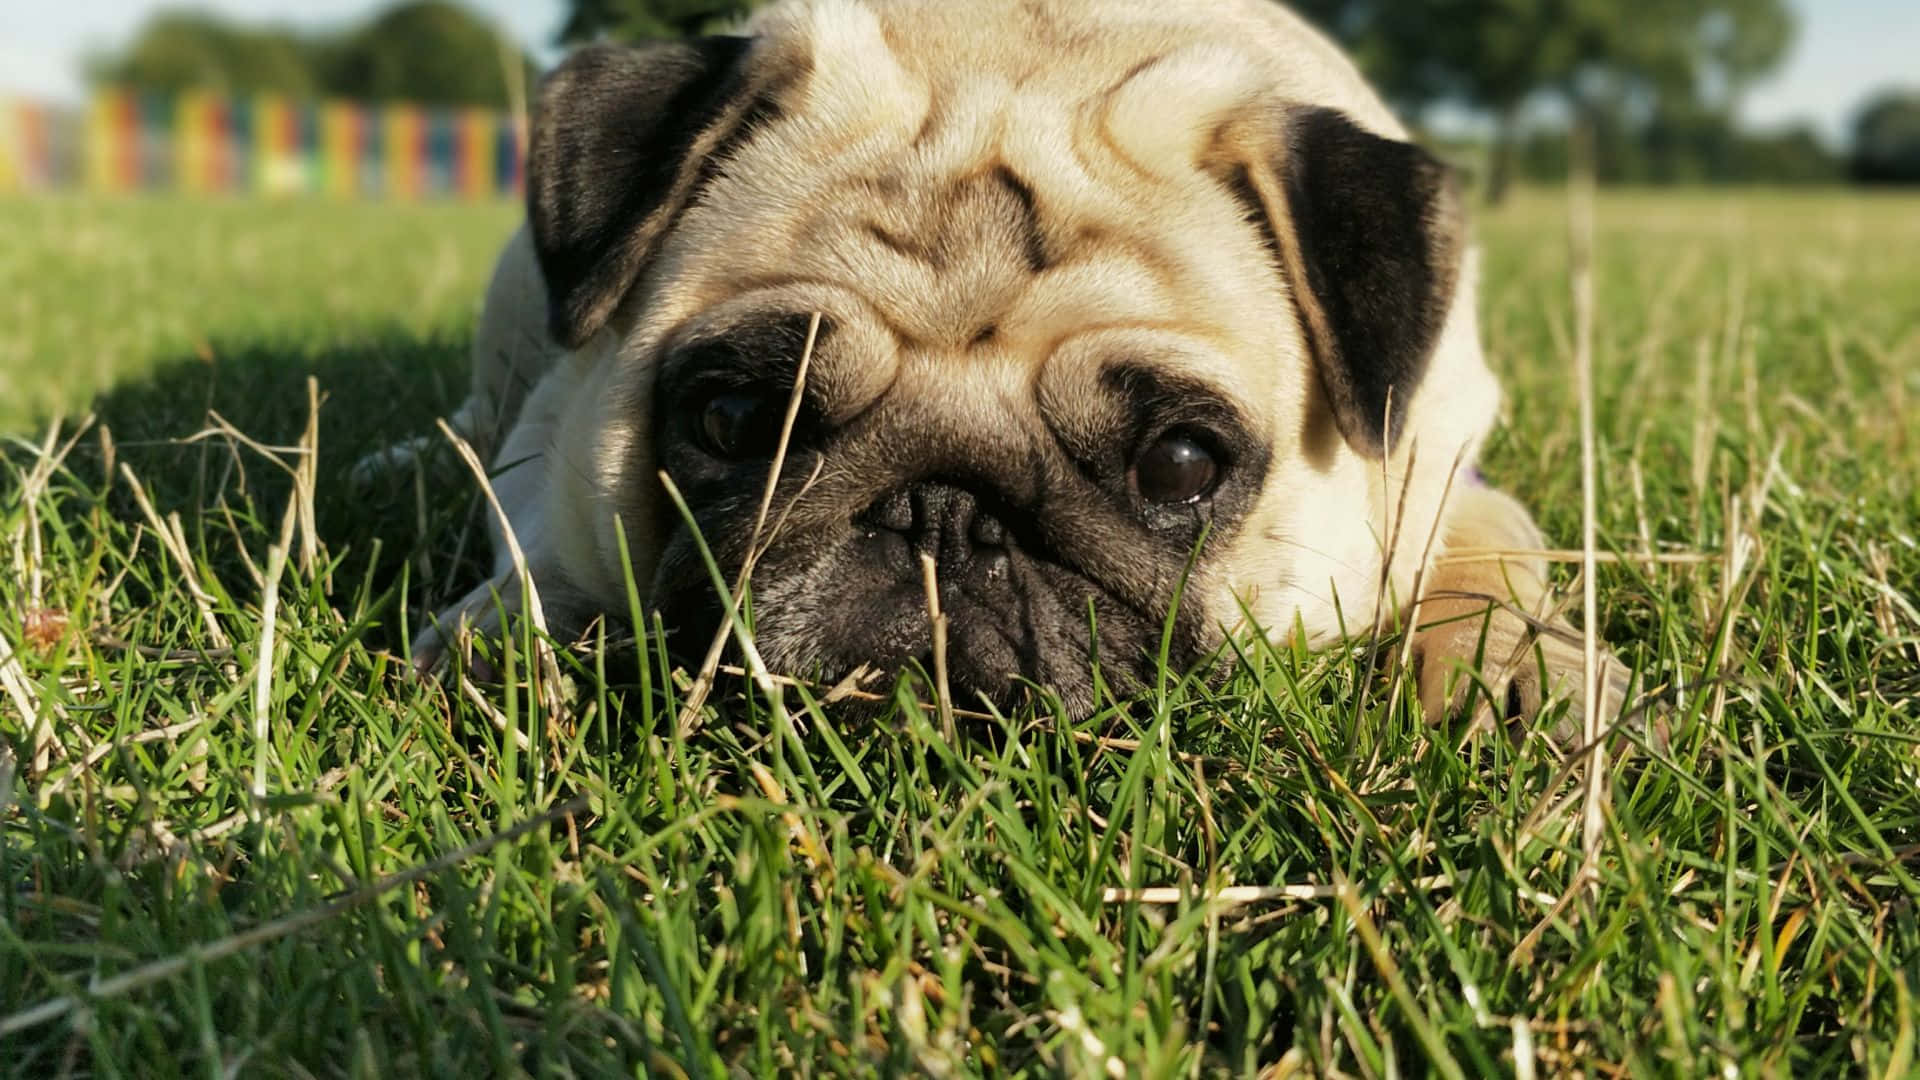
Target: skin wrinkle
1083 124
1102 110
1034 241
904 248
929 124
908 340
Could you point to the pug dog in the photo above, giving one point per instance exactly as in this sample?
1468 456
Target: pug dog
1118 318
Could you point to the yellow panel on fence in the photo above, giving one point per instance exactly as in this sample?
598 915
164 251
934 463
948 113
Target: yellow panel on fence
405 128
13 157
340 148
109 144
192 143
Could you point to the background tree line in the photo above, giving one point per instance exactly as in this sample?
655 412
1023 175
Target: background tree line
1658 83
428 51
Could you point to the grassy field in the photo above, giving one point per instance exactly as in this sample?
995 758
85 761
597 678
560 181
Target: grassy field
233 840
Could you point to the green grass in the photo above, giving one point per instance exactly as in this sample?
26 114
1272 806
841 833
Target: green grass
594 887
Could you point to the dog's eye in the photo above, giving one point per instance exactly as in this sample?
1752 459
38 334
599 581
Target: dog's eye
740 425
1175 469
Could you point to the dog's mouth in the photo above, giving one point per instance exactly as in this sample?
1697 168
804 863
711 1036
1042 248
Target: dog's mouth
999 646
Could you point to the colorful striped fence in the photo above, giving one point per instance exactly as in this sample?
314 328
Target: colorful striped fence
204 143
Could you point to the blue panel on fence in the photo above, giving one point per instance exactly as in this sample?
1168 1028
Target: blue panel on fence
242 162
306 142
507 157
153 143
373 151
440 142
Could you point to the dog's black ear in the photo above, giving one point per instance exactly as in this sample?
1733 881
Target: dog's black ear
618 136
1368 231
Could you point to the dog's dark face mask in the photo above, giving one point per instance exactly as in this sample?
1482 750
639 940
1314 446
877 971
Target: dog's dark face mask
1053 555
1064 554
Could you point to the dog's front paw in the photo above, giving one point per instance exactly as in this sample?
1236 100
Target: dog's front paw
395 460
1508 670
500 614
453 632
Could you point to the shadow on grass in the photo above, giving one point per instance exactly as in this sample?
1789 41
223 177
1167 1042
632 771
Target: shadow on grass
377 387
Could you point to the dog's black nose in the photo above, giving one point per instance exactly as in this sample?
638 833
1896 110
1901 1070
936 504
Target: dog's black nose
944 520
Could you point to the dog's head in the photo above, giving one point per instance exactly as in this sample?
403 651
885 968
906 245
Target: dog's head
1113 307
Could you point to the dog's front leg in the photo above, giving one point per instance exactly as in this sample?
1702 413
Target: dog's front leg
526 579
1485 622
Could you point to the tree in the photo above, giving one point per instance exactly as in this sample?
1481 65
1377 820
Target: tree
1793 156
1592 57
642 19
427 51
178 51
1682 146
1886 139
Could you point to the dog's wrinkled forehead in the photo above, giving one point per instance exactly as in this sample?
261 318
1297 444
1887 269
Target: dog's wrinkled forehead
929 70
974 199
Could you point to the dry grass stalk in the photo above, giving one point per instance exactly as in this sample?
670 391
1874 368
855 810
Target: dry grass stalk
756 667
548 668
306 480
26 548
1573 555
100 751
20 690
696 695
38 717
494 716
173 539
1580 246
299 519
264 663
1419 578
1383 595
303 470
1234 895
943 693
1740 568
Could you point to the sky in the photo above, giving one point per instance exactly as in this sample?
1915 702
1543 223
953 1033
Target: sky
1846 49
